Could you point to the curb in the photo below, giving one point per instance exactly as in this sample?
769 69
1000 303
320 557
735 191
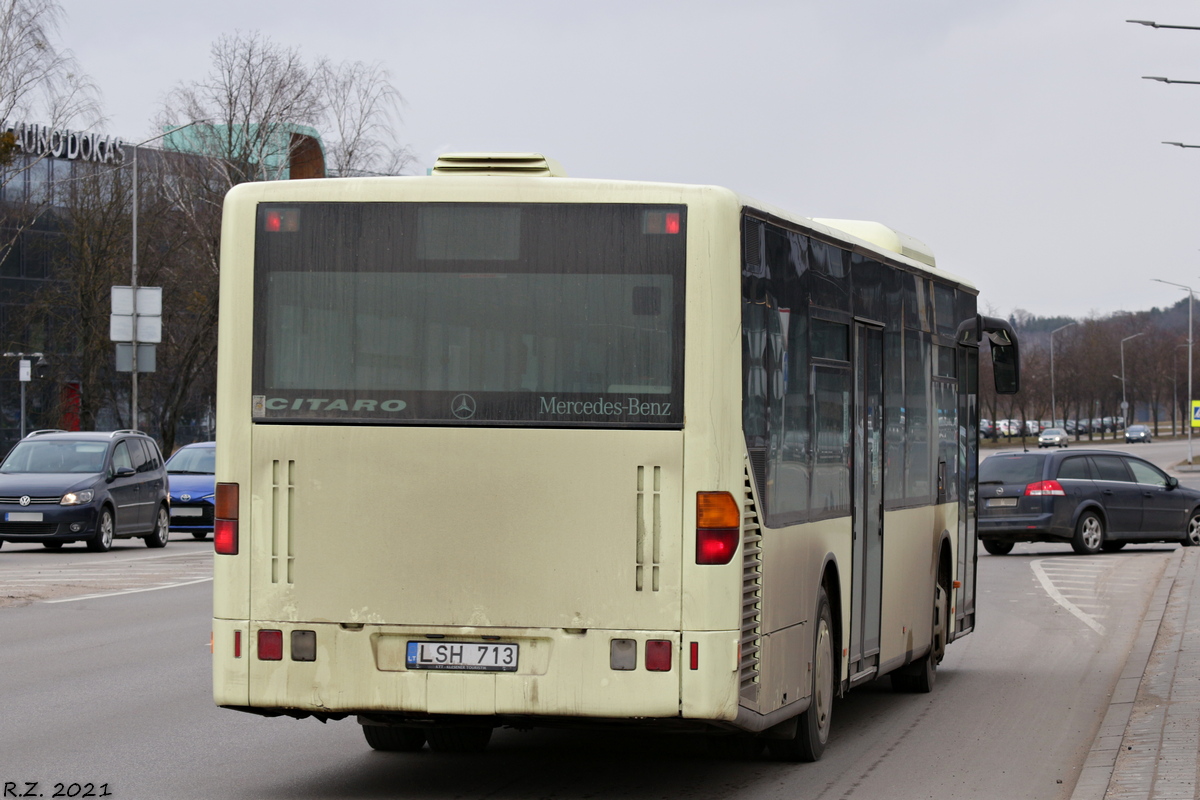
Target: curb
1101 760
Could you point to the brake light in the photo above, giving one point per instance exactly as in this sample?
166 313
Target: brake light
658 655
1045 489
225 524
270 645
718 527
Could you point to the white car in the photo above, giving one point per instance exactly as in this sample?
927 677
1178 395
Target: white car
1053 437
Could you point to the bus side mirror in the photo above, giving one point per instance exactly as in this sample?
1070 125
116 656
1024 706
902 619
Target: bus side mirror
1006 357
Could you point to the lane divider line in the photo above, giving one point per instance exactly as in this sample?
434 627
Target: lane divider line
1058 597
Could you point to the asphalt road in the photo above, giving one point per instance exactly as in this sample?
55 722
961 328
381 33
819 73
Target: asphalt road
110 686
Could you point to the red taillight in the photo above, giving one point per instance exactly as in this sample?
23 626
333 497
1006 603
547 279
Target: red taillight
718 527
1045 489
225 526
695 655
715 546
270 645
658 656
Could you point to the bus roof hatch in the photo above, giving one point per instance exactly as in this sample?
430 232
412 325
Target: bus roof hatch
881 235
534 165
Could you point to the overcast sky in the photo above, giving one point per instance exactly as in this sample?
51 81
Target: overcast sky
1016 138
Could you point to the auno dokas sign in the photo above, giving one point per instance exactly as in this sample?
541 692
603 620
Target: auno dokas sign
43 140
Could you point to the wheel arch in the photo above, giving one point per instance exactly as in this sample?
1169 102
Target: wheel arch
831 582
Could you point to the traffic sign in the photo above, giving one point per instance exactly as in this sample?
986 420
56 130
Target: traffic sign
1196 413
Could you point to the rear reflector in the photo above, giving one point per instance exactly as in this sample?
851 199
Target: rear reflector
237 644
658 655
695 653
270 645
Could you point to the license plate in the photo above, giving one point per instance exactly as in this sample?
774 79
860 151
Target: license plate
471 656
1001 502
187 512
23 516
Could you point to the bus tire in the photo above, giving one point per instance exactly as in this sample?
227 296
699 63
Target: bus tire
812 727
1089 534
997 548
920 676
462 739
394 739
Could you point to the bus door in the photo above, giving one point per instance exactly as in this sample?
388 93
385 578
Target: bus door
866 583
968 450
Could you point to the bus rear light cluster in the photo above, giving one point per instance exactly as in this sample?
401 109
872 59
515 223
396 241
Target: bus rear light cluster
225 524
718 527
270 645
622 655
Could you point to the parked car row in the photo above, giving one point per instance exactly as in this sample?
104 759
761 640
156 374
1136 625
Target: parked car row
1093 499
1034 427
58 487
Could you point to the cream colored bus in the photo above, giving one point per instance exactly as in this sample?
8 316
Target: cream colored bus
501 447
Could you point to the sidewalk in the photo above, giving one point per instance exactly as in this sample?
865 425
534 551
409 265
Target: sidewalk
1149 743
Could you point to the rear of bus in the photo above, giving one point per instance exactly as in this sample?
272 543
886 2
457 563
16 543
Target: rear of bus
453 427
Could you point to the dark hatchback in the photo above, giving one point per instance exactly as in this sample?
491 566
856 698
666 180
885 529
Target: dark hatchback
1094 500
58 487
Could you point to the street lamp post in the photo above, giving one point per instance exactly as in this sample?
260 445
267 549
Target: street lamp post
1124 402
133 274
24 375
1053 405
1191 303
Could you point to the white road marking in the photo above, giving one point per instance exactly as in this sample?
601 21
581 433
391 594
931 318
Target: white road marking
1058 597
127 591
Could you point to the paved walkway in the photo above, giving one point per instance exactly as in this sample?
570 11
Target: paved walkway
1149 743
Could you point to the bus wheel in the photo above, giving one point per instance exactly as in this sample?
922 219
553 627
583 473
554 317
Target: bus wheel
812 727
920 675
465 739
997 548
393 739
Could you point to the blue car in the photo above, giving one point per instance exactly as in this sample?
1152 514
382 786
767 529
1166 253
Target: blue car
192 472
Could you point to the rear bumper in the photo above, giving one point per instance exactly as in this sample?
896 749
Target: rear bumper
561 675
1029 528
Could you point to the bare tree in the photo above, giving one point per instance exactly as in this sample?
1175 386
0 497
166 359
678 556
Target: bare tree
360 118
38 80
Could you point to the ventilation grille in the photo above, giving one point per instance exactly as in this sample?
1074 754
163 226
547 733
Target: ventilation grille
649 528
283 496
533 165
751 641
752 261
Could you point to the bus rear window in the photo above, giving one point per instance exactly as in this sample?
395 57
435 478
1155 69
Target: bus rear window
492 314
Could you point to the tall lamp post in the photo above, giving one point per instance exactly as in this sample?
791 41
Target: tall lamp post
1124 402
1191 303
1053 404
133 274
25 373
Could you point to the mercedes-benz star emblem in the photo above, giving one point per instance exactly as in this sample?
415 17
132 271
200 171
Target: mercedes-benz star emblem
24 500
463 406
